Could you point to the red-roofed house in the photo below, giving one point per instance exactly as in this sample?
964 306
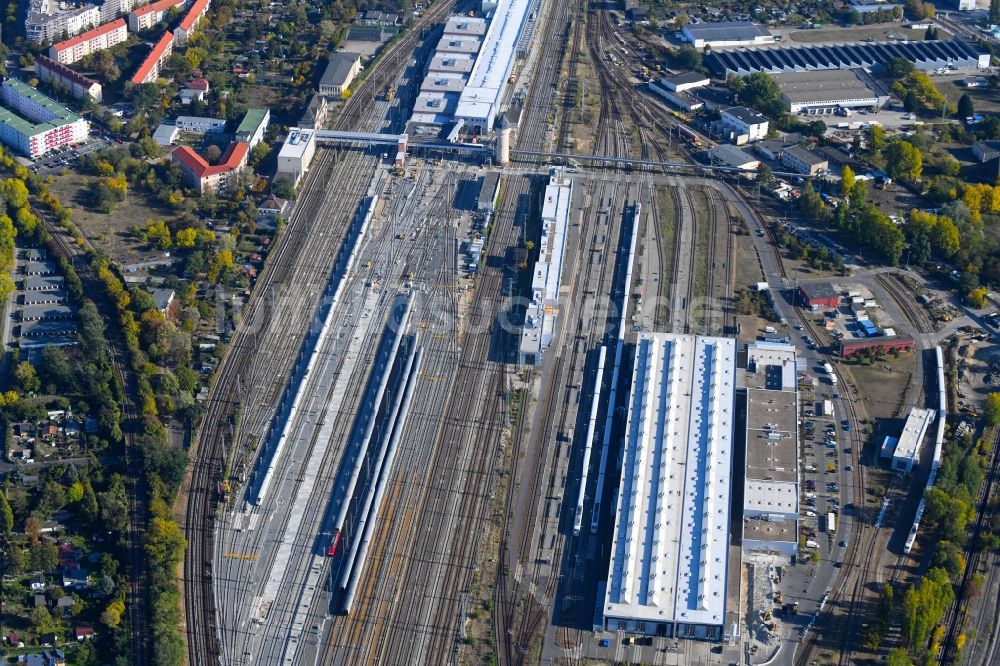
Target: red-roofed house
212 178
195 90
84 632
150 67
190 21
100 38
146 17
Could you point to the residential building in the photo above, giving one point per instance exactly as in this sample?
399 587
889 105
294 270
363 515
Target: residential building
195 91
49 20
79 86
744 125
100 38
152 14
803 161
33 124
150 68
669 571
272 207
200 124
315 113
726 34
296 154
253 126
215 178
190 21
44 658
340 71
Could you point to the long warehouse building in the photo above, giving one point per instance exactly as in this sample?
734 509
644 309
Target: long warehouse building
479 102
926 55
669 568
771 485
542 314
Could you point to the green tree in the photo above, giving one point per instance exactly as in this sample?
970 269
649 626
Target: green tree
991 410
898 657
761 92
899 68
764 174
966 108
26 377
903 160
846 180
6 514
43 556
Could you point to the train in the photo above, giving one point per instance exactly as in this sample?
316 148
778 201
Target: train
689 135
334 543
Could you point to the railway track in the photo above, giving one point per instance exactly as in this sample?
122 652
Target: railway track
916 317
138 593
956 616
208 456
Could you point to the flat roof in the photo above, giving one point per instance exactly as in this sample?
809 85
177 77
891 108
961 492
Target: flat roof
745 114
682 78
252 120
465 25
297 142
46 311
27 126
731 155
200 120
670 548
807 156
830 85
456 44
451 62
726 31
772 424
496 58
435 102
908 445
770 528
43 283
771 484
442 82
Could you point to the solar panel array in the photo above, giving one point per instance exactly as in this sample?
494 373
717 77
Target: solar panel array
925 55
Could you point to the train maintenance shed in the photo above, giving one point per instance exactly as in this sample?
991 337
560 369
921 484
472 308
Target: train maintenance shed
669 573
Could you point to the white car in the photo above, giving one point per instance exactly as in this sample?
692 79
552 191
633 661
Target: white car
811 514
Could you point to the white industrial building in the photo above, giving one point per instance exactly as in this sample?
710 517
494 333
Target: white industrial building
729 155
905 450
479 103
726 34
49 20
682 81
669 567
771 484
342 68
826 91
542 314
744 125
296 154
465 26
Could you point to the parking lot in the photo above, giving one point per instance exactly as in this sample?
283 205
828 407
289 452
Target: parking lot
66 156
